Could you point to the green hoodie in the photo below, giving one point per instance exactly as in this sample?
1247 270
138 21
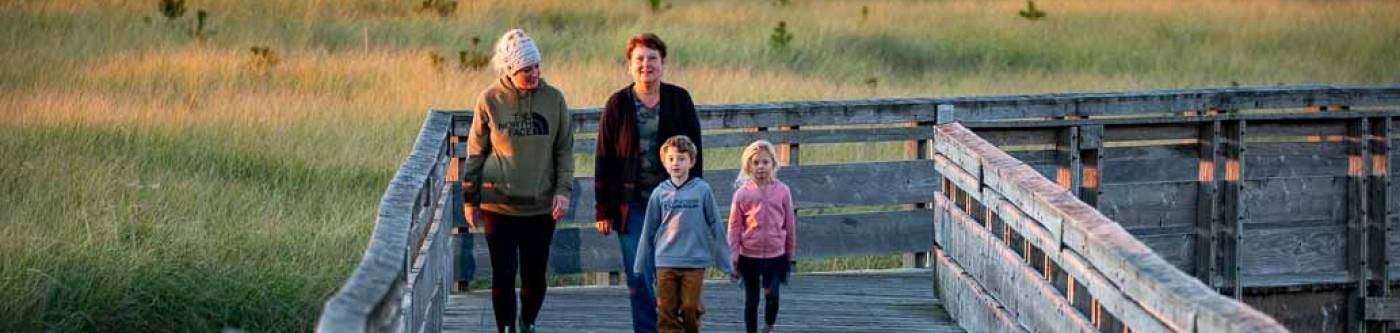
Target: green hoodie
521 147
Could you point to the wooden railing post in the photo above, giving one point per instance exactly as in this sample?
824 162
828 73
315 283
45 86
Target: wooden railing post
1090 163
788 153
1067 172
1378 283
1208 202
1233 228
1358 212
918 150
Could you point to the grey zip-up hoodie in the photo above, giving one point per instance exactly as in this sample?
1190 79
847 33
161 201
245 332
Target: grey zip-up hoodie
683 228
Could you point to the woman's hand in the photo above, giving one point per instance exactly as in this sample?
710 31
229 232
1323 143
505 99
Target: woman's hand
561 207
472 215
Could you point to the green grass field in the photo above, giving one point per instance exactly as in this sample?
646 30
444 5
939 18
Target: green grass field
155 179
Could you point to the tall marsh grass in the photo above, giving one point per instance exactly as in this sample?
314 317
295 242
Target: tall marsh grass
152 180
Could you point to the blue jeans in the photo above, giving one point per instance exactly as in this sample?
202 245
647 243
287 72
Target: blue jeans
641 289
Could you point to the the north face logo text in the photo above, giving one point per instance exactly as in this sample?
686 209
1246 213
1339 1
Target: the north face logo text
526 124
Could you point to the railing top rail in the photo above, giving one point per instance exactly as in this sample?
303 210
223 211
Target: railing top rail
1176 299
1034 106
383 263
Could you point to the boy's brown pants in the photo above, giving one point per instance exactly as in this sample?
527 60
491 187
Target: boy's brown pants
678 306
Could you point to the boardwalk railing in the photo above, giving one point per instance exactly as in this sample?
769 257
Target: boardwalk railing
880 206
1018 253
401 285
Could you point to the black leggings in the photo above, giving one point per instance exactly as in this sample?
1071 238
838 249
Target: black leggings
523 240
772 272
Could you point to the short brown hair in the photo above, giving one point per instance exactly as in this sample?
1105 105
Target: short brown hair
680 143
647 39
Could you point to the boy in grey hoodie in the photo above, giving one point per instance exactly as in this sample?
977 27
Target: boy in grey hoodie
682 236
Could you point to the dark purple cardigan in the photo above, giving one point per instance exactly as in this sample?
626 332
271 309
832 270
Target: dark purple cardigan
617 163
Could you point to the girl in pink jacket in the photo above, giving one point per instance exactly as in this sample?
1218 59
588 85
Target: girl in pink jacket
762 232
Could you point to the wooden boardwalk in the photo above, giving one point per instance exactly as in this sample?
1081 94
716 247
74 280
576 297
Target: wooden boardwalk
874 301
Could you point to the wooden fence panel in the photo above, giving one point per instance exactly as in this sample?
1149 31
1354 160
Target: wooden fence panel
1142 205
1316 200
576 250
813 186
1293 250
1158 163
1295 159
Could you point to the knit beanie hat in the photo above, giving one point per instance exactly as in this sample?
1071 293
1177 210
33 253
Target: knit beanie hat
515 50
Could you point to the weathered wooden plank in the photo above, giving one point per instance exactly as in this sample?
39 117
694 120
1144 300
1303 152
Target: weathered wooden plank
1317 280
1296 159
1318 130
866 302
824 236
1151 132
1378 179
1293 250
1034 157
1234 213
584 250
1118 305
1162 204
1014 137
1175 248
1017 221
957 176
1002 108
1316 198
967 302
820 135
1007 278
823 185
1158 119
1150 164
1382 309
953 144
1306 311
1207 225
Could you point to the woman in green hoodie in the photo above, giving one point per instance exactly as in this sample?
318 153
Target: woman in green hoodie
518 176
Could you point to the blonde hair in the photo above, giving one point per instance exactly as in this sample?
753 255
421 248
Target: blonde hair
750 152
679 143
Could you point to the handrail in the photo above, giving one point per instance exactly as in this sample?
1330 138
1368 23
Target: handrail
367 301
1039 235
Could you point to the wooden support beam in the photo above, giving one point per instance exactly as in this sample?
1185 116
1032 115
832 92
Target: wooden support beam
1067 168
1382 309
1091 163
1358 173
1207 203
1378 284
1232 229
788 153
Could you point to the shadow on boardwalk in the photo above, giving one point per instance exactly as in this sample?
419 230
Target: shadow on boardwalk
870 301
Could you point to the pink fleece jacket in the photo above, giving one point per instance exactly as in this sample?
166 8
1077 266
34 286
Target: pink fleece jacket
762 221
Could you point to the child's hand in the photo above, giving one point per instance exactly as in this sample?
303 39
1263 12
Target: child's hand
733 277
602 226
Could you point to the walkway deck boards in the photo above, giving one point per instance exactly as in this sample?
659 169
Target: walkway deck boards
880 301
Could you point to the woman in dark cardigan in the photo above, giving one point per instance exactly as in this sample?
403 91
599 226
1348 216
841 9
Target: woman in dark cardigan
635 121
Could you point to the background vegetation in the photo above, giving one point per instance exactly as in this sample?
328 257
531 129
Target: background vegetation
221 166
